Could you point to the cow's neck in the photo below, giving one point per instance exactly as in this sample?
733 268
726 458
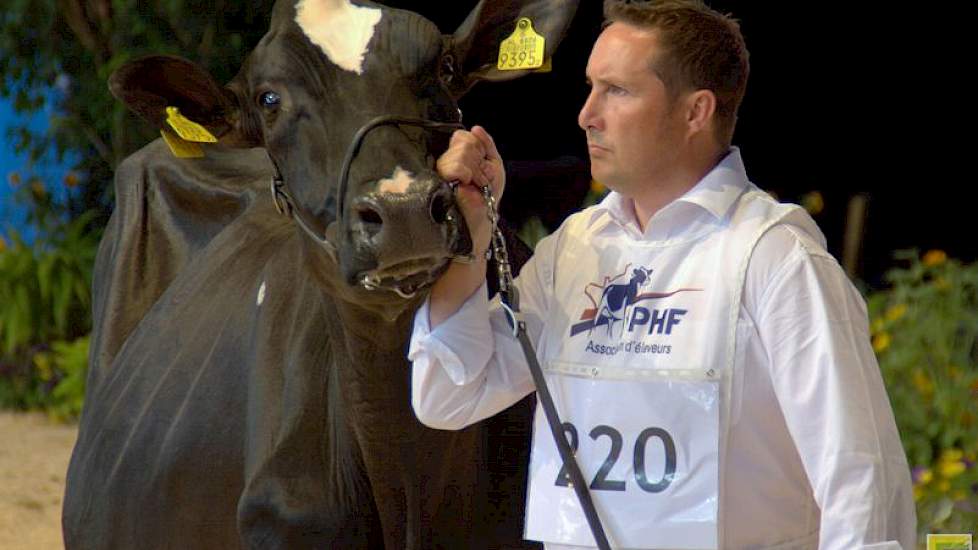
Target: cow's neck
375 385
369 328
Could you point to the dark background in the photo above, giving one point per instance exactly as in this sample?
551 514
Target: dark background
841 99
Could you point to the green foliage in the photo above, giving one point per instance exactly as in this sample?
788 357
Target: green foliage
45 298
46 292
67 365
72 46
532 231
595 194
63 51
925 333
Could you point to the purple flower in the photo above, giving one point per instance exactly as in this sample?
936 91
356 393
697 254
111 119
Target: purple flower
916 473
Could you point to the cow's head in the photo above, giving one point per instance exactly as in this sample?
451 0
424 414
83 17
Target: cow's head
325 70
640 275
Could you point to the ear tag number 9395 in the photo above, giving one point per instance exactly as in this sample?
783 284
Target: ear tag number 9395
521 50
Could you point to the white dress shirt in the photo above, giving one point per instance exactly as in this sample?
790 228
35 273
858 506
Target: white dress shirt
814 458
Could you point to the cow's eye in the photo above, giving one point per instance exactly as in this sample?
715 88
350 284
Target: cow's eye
270 100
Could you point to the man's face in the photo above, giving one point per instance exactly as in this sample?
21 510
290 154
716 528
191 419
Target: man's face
634 133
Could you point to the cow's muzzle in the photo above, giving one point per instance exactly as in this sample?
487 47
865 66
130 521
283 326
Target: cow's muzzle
403 242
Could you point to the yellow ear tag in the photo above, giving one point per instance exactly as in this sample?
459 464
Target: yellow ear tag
181 148
521 50
186 128
546 67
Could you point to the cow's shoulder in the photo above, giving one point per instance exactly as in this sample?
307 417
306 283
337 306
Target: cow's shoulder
167 213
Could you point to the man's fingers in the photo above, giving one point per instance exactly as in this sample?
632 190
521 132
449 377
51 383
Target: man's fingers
488 175
473 160
488 145
463 159
450 168
468 143
458 137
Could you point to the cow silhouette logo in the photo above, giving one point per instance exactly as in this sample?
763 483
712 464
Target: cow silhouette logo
613 299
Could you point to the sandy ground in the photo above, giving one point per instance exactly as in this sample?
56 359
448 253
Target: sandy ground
34 456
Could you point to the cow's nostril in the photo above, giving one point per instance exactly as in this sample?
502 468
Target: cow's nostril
441 203
369 217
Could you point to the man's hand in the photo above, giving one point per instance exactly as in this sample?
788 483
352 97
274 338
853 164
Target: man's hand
472 160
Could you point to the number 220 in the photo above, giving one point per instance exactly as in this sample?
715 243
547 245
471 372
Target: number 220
601 481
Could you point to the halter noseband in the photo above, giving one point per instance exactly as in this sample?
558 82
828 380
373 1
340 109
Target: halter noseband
286 205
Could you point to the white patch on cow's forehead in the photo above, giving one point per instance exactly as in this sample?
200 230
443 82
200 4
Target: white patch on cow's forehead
341 29
261 294
398 183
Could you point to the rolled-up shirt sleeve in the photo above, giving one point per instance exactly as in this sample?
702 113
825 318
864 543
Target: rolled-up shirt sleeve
471 366
468 330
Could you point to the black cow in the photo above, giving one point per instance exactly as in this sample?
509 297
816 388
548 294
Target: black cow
246 388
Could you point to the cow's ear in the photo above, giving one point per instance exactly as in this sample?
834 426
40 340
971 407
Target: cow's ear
475 46
149 85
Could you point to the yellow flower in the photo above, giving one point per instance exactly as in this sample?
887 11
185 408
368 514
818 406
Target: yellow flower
877 325
951 469
43 363
881 341
597 187
918 492
813 202
71 180
38 190
952 455
923 383
934 257
944 486
959 495
895 312
951 463
925 476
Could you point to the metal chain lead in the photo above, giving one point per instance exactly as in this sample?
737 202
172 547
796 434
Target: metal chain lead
498 245
510 304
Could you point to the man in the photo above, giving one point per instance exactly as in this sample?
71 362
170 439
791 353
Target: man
710 360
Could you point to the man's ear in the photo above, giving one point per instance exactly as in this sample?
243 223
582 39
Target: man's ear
474 47
701 108
149 85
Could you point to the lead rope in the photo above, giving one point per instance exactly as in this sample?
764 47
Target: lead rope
509 297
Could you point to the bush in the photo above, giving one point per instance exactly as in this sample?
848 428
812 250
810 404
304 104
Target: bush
925 334
45 311
67 365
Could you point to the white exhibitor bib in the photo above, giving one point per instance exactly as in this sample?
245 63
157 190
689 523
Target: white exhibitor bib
638 354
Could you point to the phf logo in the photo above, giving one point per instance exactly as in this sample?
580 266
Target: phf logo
949 542
613 302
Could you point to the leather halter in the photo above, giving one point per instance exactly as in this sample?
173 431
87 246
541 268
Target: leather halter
286 205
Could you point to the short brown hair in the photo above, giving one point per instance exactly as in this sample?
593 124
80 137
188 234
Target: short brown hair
704 50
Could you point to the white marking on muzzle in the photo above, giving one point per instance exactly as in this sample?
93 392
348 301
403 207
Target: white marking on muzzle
261 294
398 183
341 29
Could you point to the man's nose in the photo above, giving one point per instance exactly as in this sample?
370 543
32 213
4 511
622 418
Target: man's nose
588 118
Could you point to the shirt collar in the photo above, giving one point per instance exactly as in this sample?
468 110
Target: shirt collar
715 193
